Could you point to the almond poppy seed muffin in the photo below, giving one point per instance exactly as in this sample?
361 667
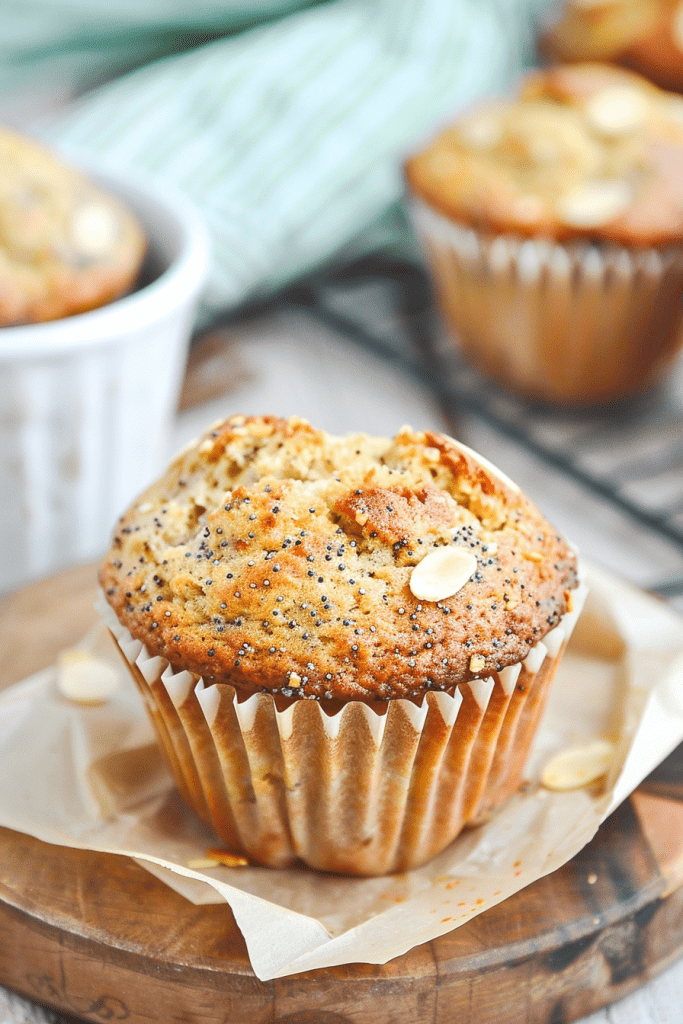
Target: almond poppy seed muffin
552 225
584 151
643 35
323 614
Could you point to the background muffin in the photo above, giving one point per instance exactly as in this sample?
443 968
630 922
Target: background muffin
644 35
375 624
552 224
66 245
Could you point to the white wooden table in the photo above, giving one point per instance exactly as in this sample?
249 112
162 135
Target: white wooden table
288 364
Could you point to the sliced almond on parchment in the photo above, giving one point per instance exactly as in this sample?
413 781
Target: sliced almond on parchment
83 678
576 767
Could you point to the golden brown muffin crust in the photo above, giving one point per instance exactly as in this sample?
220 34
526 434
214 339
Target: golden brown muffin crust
273 556
66 245
586 151
643 35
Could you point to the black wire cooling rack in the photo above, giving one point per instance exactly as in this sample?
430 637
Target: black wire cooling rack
630 454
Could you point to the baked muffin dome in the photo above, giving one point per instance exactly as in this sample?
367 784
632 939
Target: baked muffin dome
586 151
643 35
275 557
66 245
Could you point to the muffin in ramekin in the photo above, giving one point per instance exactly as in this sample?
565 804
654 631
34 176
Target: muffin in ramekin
67 244
344 643
552 224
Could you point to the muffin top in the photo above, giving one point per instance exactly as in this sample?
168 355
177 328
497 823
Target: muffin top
66 245
275 557
601 29
644 35
585 151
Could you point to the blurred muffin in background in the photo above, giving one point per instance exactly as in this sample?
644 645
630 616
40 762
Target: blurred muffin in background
66 245
643 35
552 225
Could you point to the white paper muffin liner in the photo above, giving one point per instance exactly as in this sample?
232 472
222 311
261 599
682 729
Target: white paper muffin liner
571 323
358 792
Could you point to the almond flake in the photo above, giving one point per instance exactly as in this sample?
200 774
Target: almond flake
85 679
294 679
578 766
201 863
595 203
617 110
261 429
442 573
477 662
94 228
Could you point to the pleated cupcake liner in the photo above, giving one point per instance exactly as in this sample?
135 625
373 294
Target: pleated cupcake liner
360 792
570 323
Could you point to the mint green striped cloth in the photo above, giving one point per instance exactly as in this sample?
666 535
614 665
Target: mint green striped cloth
288 135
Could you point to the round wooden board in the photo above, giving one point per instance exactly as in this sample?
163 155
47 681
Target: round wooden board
96 936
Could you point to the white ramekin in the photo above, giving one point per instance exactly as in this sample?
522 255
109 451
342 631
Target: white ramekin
86 402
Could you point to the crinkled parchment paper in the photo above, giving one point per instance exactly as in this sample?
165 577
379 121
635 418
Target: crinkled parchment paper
102 786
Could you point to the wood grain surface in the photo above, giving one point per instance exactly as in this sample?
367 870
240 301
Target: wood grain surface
97 936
